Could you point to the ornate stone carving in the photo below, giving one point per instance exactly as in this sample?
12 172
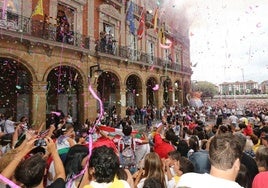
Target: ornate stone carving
110 10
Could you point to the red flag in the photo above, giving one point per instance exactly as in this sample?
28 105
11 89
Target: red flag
140 30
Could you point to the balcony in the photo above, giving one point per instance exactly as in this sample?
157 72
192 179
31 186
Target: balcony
139 57
19 25
35 31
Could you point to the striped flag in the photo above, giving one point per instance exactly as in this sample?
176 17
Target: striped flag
38 9
140 30
114 131
161 34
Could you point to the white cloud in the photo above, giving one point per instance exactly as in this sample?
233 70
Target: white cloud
229 38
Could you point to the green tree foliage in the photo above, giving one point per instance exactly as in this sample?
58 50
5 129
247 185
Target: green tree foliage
208 89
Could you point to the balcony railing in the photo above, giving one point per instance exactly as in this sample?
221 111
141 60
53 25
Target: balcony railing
40 29
135 55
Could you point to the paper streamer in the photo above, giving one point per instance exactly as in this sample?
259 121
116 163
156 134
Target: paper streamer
8 181
156 87
91 131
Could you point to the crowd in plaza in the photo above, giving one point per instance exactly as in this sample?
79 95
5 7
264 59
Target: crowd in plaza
221 144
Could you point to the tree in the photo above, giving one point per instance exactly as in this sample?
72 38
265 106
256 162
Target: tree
208 89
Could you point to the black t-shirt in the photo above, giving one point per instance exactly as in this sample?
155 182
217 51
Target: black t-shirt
58 183
251 166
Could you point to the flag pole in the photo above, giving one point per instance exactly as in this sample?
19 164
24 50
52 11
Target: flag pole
37 6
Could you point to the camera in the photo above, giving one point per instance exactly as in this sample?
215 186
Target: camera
40 142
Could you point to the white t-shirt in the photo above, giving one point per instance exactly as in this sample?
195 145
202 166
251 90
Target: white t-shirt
195 180
9 126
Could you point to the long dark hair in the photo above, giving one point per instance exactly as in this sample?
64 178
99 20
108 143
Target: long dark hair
74 159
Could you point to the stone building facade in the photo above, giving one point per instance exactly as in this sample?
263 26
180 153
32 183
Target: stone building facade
48 62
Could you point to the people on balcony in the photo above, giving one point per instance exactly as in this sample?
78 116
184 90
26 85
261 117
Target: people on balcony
64 34
107 42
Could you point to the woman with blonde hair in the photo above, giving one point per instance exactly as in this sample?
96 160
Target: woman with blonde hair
153 168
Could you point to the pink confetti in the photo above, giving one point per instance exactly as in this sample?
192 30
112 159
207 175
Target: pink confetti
56 113
156 87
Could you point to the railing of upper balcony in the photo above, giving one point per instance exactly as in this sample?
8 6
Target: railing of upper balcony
135 55
41 29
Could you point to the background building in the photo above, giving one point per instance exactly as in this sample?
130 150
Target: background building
264 87
51 50
239 88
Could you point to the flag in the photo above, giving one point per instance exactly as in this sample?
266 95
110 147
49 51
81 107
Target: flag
161 34
140 30
114 131
130 18
38 9
154 21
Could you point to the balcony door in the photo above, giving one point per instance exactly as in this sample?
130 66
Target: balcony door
65 24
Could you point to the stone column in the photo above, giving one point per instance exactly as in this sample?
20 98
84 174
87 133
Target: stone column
122 101
143 95
160 95
39 102
90 103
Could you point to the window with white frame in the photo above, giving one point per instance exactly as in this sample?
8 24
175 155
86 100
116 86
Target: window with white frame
132 48
150 51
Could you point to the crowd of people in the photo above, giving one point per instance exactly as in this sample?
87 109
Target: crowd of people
218 145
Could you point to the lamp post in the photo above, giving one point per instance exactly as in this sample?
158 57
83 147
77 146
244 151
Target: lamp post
96 72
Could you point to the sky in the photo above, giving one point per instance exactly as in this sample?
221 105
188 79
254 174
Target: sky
228 38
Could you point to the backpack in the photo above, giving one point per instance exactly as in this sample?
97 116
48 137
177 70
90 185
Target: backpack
126 147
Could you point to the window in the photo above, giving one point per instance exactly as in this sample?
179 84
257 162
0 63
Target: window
150 51
132 50
11 5
65 24
177 57
10 18
107 39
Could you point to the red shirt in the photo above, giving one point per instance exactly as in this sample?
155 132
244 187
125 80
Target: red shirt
248 131
161 147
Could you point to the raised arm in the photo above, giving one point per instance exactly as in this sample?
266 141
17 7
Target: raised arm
10 169
59 168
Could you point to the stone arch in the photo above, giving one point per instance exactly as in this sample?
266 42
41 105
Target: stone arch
81 72
178 92
133 83
108 89
151 91
121 80
16 86
186 90
132 73
24 62
65 88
